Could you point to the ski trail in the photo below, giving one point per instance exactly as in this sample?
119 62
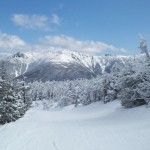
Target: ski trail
55 145
94 127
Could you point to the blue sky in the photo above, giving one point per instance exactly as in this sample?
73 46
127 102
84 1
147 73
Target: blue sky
92 26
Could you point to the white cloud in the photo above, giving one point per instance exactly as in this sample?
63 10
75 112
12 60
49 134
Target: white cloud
41 22
13 43
86 46
55 19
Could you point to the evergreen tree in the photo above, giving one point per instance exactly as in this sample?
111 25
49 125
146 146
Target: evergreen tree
143 47
12 104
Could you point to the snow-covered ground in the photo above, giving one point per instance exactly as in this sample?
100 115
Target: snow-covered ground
94 127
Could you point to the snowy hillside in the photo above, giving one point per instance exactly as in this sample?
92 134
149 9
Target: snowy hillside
59 65
94 127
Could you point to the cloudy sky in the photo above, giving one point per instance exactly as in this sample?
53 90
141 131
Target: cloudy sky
91 26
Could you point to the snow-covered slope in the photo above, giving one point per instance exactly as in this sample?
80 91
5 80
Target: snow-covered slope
59 65
94 127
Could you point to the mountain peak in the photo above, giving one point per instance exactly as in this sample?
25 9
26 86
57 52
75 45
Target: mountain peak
19 55
59 65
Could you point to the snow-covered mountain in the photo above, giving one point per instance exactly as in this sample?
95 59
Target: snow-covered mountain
58 65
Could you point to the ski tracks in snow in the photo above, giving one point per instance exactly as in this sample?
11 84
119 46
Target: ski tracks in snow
94 127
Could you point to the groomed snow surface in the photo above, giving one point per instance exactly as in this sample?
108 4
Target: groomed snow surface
95 127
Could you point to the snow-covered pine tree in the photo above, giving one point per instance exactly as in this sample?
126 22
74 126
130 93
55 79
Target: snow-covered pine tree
12 105
143 47
133 83
23 89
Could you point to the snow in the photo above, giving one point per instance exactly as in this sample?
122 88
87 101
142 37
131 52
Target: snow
94 127
30 60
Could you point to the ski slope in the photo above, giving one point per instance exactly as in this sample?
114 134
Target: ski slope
94 127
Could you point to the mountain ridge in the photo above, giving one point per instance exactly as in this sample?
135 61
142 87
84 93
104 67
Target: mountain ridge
59 65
